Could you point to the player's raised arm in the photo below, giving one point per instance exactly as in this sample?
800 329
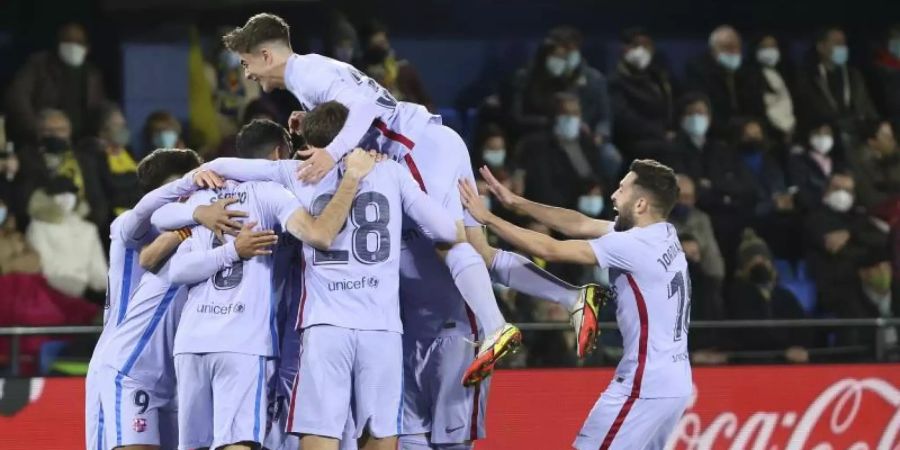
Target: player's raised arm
566 221
531 242
193 264
243 169
154 255
321 231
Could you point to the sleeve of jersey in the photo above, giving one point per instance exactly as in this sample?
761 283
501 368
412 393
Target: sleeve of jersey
282 203
173 216
431 217
612 250
191 265
239 169
363 109
136 224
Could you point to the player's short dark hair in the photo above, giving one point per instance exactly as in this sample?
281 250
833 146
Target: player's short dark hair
257 139
165 163
260 28
323 123
658 180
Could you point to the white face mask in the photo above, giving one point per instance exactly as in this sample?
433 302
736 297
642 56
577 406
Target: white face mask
822 143
638 57
165 139
3 213
768 56
591 205
573 60
840 201
494 157
556 65
66 201
72 54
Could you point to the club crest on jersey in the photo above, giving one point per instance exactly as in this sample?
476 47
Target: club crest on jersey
139 424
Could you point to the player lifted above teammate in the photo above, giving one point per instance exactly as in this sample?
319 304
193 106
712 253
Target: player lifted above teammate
652 384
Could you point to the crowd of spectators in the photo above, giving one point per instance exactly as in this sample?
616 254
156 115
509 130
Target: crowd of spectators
789 169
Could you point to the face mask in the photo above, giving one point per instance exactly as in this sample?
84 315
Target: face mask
752 145
768 56
591 205
72 54
730 61
567 127
638 57
822 143
66 201
53 144
556 65
486 200
695 124
229 59
894 47
760 275
839 201
880 282
3 213
165 139
121 137
573 60
494 157
840 54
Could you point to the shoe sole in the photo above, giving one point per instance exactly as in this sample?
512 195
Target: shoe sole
483 368
589 343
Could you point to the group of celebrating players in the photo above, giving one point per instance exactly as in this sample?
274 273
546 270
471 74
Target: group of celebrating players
345 300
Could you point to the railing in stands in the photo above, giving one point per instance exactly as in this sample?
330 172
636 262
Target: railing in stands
878 324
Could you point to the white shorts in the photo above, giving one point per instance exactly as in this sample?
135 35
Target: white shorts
343 372
93 413
136 412
438 160
622 422
221 398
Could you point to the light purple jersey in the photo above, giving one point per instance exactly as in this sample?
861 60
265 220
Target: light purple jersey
231 302
316 79
648 270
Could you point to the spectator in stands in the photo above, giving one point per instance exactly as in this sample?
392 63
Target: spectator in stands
838 236
875 298
829 87
716 74
691 150
767 88
811 169
59 79
876 164
886 86
380 62
592 201
56 156
706 304
558 161
696 223
110 141
755 295
16 255
161 130
642 99
341 40
72 258
257 109
232 91
11 181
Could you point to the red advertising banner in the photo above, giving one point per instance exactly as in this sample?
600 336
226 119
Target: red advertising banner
827 407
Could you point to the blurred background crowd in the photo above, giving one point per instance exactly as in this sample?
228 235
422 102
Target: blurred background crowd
784 142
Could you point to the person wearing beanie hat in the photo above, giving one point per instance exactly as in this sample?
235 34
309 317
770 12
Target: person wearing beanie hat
753 252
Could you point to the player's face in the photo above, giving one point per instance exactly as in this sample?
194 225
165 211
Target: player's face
255 66
623 202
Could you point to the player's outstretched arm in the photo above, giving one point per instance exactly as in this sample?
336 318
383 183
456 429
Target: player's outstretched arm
154 255
215 217
136 223
424 210
240 169
530 242
566 221
321 231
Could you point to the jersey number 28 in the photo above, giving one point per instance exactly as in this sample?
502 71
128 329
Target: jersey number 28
363 228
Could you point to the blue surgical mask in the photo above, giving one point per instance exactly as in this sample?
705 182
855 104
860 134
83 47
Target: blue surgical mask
229 59
695 124
840 54
494 157
165 139
591 205
3 212
567 127
730 61
573 59
556 65
894 47
768 56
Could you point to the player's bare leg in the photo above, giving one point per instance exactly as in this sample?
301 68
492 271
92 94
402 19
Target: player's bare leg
311 442
471 277
237 447
519 273
137 447
367 442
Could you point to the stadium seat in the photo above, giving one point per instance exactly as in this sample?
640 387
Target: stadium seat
785 270
802 271
451 118
50 350
805 291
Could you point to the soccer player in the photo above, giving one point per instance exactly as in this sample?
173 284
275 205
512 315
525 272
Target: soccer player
652 384
440 157
128 234
228 334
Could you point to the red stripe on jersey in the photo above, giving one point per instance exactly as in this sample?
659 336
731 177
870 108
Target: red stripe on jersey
642 341
290 421
473 428
393 135
414 170
620 418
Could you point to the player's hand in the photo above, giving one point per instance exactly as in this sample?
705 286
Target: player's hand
295 122
218 219
208 179
501 192
472 201
360 162
251 243
318 163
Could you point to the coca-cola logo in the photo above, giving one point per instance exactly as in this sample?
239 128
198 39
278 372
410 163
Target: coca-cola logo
852 414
